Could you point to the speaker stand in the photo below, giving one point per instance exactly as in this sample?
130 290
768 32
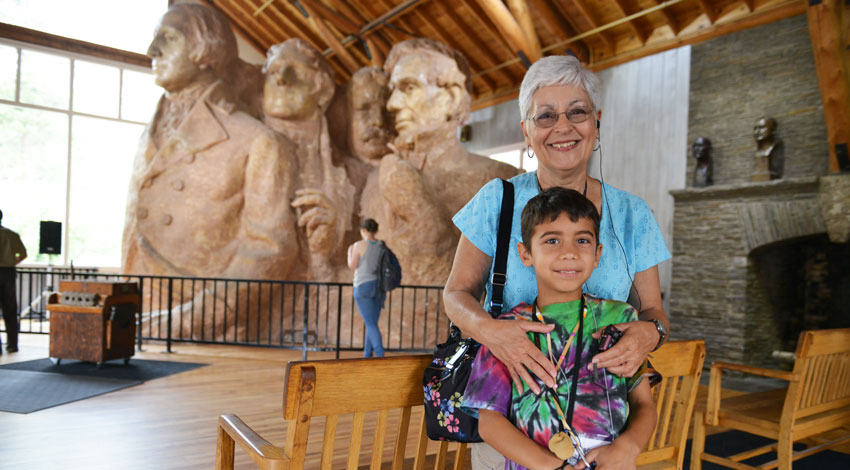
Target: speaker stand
30 312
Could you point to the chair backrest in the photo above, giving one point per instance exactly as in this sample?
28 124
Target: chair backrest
680 365
346 391
823 368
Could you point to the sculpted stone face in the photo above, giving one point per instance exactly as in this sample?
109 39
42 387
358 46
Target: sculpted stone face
367 100
293 88
420 106
170 53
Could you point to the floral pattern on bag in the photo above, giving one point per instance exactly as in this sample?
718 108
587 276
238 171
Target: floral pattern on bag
443 389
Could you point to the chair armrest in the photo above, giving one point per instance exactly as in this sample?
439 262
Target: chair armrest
265 454
713 404
775 374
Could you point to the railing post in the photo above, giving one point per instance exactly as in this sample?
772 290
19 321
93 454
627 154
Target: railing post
304 322
139 315
168 337
338 318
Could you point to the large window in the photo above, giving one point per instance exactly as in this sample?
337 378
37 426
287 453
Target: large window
69 128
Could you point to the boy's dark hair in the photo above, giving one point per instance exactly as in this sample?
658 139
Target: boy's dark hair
370 225
551 203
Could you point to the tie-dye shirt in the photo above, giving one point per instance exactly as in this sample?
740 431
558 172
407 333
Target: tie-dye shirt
596 415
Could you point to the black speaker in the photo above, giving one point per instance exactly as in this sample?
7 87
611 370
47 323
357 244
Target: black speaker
50 241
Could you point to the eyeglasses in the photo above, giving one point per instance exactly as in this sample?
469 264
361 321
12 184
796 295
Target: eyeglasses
574 115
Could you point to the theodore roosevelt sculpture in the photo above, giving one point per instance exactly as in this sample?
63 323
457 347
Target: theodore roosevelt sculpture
430 175
770 151
208 191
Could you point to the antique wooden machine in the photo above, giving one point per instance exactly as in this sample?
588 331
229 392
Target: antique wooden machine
93 321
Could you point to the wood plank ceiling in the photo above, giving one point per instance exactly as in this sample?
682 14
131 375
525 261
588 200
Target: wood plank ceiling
498 37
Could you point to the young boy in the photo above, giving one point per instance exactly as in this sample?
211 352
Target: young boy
559 239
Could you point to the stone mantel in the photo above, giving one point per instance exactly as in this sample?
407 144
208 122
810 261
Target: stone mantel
775 188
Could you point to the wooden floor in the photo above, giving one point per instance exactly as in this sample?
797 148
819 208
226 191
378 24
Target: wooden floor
167 423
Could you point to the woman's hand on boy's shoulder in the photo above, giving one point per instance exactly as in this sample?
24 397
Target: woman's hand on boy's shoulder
628 354
508 341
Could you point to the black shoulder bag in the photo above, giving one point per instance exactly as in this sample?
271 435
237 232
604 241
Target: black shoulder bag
446 377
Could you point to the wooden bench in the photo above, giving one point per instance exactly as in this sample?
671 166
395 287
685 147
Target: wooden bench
344 391
680 364
816 400
338 388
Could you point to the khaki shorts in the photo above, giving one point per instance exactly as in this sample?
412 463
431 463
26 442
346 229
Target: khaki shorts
484 457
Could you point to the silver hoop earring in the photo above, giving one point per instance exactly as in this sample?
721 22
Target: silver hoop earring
598 145
529 152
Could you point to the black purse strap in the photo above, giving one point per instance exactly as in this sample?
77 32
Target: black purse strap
503 240
500 261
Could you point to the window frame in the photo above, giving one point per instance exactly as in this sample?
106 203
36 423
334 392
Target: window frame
69 112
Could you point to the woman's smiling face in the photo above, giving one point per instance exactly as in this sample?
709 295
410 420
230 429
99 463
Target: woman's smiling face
566 145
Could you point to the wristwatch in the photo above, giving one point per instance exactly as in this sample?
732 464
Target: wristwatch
662 332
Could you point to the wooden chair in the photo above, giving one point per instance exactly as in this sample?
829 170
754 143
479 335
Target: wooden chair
680 364
816 400
335 389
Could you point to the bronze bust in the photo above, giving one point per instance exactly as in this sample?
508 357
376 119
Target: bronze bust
770 151
702 152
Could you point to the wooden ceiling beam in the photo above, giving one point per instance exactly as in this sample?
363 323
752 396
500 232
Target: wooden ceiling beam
39 38
612 24
763 15
392 35
447 39
476 41
709 10
338 26
586 15
239 26
258 29
283 21
751 4
827 20
639 33
555 12
318 25
674 25
289 15
333 17
377 39
509 28
519 8
482 18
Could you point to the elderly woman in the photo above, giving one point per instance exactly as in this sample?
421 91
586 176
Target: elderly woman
558 103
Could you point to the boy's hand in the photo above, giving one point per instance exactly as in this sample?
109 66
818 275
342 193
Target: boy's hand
507 340
627 355
619 455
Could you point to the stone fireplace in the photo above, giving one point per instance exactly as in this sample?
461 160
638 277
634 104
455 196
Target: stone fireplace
753 265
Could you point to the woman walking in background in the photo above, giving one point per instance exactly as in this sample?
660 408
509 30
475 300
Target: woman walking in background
364 258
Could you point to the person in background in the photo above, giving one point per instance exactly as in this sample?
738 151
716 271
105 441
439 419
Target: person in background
12 252
364 257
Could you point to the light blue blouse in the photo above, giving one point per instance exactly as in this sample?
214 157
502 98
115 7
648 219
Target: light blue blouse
631 239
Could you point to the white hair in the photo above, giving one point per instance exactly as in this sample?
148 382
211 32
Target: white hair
556 70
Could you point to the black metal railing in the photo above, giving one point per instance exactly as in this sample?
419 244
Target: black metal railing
310 316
